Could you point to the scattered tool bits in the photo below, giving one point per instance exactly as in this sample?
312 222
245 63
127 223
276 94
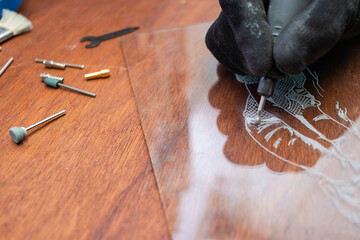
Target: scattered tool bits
52 64
7 64
100 74
18 134
95 41
56 82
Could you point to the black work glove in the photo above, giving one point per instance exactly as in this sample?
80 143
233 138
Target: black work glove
242 41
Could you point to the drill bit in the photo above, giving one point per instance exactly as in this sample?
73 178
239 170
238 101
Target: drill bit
58 65
18 134
56 82
265 89
260 109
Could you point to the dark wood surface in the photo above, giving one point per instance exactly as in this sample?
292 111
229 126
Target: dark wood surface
88 174
221 177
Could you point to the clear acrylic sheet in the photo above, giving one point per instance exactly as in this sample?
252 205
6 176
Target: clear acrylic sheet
294 176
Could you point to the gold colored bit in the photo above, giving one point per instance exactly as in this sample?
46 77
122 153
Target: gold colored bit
101 74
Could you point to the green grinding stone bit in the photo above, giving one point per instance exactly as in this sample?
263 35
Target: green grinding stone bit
18 134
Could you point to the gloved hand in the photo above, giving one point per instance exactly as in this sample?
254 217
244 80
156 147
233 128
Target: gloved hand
242 41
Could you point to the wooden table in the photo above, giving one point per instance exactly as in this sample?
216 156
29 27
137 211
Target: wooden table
166 149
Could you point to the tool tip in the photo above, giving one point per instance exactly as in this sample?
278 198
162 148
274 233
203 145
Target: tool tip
17 134
257 119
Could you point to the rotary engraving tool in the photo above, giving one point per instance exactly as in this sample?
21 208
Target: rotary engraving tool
280 13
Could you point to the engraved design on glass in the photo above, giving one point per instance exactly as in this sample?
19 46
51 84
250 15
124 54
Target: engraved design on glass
291 96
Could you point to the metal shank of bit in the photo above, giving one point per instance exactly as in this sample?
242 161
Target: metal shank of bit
7 64
74 65
78 90
59 114
52 64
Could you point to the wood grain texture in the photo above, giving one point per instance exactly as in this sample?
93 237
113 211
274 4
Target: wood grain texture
219 181
88 174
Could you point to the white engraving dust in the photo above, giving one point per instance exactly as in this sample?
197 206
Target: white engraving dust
291 96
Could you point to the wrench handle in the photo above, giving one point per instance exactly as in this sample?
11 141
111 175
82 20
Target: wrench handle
118 33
